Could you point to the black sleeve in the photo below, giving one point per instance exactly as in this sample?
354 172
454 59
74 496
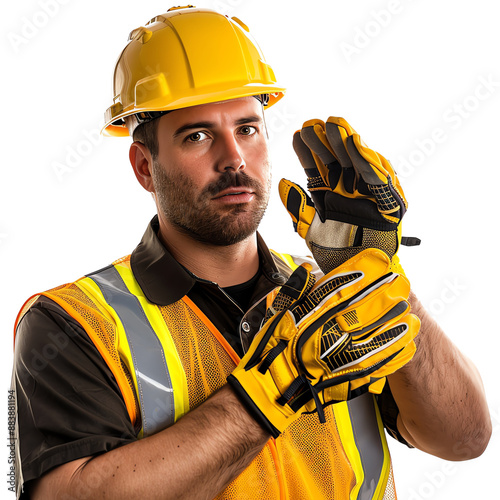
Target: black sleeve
69 404
389 412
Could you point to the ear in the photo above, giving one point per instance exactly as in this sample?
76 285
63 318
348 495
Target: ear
142 163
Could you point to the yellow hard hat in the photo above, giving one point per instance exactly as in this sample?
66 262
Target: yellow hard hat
186 57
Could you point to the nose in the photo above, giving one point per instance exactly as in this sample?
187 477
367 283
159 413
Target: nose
230 154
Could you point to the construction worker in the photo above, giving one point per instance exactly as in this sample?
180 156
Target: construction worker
205 365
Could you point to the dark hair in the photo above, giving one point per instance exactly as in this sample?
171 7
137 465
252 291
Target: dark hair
147 133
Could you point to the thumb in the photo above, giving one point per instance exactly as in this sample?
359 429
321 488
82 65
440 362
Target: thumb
298 204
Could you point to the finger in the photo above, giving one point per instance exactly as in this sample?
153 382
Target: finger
342 124
377 386
383 306
298 284
395 181
337 132
372 168
398 361
371 355
367 374
361 322
298 204
366 162
316 170
335 291
387 166
393 357
384 301
387 343
313 134
354 388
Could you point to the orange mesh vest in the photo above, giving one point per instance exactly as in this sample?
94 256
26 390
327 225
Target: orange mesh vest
169 359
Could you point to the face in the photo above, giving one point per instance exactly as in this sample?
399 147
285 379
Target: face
212 176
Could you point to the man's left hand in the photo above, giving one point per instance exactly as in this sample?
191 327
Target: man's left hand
357 200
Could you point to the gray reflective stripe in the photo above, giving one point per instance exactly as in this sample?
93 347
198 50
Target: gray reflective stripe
368 441
156 395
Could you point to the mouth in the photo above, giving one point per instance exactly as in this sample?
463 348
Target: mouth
238 194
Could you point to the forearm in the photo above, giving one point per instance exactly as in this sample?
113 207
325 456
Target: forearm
193 459
440 396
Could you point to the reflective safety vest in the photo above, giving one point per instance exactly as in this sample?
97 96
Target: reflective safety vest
169 359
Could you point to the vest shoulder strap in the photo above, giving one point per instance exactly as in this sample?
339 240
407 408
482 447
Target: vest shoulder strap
92 313
287 263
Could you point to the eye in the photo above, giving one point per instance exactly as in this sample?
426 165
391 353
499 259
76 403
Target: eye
248 130
196 137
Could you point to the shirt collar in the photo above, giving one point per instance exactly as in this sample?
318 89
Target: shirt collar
164 281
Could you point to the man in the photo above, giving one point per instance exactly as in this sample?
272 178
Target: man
153 337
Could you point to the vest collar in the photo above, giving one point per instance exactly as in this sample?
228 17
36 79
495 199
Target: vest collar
164 281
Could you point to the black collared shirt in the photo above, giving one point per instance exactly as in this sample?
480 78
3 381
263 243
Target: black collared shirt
69 404
164 281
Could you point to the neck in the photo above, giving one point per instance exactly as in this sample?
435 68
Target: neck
225 265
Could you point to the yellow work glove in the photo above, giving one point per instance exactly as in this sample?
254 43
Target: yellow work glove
358 200
327 342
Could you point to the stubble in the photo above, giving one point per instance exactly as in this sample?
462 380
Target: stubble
199 217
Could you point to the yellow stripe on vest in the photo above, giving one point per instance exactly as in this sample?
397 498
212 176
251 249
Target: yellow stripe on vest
386 468
178 376
288 259
344 427
362 435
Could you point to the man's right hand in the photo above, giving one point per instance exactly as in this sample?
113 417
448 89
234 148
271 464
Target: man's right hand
328 341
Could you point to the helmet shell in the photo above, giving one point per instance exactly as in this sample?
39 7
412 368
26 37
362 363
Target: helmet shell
183 58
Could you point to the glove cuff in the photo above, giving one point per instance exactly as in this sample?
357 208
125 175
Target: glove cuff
252 408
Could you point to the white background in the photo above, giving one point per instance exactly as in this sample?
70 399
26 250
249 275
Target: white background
419 80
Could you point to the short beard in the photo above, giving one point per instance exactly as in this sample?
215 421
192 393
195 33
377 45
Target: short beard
195 215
